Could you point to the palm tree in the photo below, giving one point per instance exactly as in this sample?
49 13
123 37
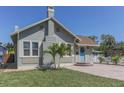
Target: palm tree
53 51
10 47
63 50
94 38
108 42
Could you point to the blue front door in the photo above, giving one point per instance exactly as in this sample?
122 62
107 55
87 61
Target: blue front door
82 54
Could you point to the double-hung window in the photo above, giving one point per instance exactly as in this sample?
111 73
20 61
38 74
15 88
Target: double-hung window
34 48
26 46
30 48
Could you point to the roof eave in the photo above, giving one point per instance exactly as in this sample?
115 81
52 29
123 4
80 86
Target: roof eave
92 45
65 28
29 26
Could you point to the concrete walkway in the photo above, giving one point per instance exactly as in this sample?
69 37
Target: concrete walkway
110 71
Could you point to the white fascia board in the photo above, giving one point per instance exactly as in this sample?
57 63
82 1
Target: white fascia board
92 45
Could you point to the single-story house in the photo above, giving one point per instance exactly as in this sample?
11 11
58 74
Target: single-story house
32 40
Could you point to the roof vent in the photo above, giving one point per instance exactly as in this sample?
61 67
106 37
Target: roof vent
16 27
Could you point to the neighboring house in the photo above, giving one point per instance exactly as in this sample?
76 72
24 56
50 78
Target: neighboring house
32 40
3 51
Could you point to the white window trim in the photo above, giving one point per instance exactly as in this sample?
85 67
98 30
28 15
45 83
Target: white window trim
31 55
23 48
32 48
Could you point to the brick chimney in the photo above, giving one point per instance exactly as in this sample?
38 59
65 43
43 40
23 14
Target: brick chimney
50 11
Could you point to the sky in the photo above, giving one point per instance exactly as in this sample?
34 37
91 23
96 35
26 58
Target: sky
83 20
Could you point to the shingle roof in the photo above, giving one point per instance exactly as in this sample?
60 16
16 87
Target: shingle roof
86 40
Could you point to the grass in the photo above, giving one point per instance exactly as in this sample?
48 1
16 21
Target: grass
55 78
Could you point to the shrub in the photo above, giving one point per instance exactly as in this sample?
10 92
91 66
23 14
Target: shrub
101 59
115 59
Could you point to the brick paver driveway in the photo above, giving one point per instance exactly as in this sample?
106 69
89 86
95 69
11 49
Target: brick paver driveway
110 71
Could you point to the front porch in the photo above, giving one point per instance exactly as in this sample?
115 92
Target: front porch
84 53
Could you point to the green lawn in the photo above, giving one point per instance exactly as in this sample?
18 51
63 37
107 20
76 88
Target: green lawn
51 78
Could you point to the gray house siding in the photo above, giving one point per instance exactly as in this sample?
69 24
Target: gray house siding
51 27
62 35
55 36
47 58
45 34
34 34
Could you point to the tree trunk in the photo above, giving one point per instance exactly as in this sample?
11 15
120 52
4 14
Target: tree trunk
59 62
54 62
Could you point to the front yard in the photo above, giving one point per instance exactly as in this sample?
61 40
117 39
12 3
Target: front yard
52 78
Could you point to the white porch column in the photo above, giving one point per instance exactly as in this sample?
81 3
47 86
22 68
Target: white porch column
88 56
76 56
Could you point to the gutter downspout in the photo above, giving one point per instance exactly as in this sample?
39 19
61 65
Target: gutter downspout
74 51
17 49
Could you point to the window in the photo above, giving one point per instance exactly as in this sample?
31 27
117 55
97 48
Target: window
34 49
30 48
26 46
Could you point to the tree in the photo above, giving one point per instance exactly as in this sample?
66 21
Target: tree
10 47
94 38
108 41
53 51
107 44
63 50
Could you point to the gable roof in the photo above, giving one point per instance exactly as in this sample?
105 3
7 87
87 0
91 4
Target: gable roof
60 24
29 26
86 40
44 20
